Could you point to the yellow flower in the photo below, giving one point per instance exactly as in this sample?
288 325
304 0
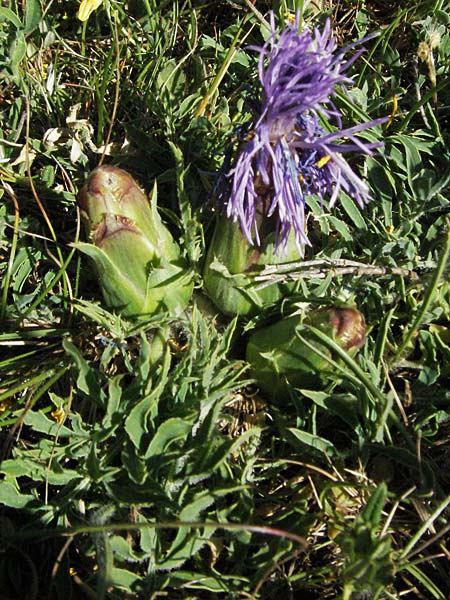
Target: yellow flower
87 7
58 415
5 405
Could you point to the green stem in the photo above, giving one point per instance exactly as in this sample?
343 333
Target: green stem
93 529
423 528
224 67
12 254
428 96
362 377
431 289
35 381
48 287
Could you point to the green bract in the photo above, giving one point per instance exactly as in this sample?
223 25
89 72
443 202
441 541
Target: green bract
139 264
288 353
232 263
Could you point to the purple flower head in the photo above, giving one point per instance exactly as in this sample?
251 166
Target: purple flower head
288 155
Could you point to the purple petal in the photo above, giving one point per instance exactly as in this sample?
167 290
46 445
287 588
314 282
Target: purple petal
290 156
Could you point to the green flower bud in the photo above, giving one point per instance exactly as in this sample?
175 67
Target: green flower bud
232 263
139 264
278 356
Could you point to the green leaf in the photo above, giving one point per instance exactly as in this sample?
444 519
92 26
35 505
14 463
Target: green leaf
414 160
383 185
136 424
171 79
432 369
187 542
14 467
124 579
297 438
344 406
10 496
148 537
87 379
118 281
17 51
39 422
199 581
193 232
193 510
352 211
113 402
105 562
33 14
426 582
167 432
6 14
27 466
374 507
125 548
134 464
92 464
341 228
184 547
317 210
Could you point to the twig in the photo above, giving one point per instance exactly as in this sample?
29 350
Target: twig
418 92
427 524
258 14
320 269
396 397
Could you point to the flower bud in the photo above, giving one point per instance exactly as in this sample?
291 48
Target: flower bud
278 355
138 263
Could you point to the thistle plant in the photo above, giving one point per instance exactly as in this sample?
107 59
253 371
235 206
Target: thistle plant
136 462
286 157
140 268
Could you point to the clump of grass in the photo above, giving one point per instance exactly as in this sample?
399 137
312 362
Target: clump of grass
138 458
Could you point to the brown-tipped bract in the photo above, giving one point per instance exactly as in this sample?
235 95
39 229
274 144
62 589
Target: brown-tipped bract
140 268
278 354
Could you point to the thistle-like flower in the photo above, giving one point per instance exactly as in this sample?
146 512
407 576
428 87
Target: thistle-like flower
289 155
286 156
